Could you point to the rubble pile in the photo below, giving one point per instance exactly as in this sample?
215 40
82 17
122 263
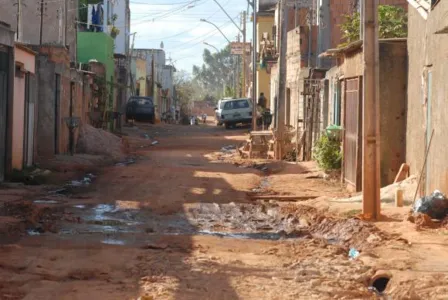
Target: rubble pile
99 142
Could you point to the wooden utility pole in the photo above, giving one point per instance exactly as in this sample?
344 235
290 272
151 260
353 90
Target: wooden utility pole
243 20
371 203
254 67
19 34
41 21
281 113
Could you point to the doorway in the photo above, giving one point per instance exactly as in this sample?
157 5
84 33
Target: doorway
288 106
4 73
353 133
57 98
29 117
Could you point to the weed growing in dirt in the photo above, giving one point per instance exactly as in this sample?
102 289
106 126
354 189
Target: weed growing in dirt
327 153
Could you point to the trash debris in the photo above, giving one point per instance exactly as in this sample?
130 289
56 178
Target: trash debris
434 205
32 232
154 143
423 220
146 136
374 290
46 201
353 253
153 246
227 149
58 191
86 181
125 163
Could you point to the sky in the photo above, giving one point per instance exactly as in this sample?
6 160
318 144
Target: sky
177 24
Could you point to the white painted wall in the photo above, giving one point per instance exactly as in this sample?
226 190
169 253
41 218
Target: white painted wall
121 9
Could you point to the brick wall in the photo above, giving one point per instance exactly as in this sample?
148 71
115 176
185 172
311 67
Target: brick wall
54 61
51 33
340 8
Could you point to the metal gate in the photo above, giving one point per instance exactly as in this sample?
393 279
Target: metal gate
353 133
4 72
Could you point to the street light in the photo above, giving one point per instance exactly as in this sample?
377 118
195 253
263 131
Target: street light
204 20
205 43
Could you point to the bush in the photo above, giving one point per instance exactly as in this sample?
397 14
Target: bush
393 23
327 153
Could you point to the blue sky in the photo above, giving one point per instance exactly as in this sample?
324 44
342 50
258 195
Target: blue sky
177 24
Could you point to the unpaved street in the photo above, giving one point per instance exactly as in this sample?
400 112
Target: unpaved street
179 224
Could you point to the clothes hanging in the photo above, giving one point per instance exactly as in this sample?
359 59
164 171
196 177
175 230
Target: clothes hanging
94 17
89 15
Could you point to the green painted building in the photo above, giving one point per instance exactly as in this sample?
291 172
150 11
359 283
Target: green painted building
100 47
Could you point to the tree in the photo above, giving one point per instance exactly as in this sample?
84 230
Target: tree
393 23
216 75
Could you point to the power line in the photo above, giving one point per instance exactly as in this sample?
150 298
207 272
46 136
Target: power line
169 13
159 4
194 27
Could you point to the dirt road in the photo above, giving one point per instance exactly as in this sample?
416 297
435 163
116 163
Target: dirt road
179 224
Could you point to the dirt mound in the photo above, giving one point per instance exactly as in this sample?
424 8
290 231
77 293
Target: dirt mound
99 142
351 232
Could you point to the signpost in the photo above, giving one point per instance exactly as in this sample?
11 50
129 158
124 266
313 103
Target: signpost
236 48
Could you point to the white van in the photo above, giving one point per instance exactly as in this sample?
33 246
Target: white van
231 112
218 110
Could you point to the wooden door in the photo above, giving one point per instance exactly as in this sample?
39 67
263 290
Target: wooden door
353 133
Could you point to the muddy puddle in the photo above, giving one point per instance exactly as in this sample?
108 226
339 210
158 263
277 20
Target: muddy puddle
122 225
112 224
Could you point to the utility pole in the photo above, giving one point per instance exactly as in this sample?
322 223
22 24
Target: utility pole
66 23
282 78
41 21
131 53
19 33
238 80
243 20
254 67
371 203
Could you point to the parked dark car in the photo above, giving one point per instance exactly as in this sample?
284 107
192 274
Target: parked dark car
140 109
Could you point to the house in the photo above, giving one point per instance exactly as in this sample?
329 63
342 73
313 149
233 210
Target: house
167 87
23 107
160 83
265 47
347 78
58 21
6 97
427 92
140 77
63 93
123 22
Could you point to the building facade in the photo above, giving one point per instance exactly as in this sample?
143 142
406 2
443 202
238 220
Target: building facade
58 18
427 92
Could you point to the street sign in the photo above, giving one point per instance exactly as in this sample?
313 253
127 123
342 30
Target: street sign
237 48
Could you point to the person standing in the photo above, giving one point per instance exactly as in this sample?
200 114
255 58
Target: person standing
262 102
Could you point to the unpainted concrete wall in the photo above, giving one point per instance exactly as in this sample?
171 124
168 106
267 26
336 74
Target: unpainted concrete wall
52 61
428 52
55 25
393 101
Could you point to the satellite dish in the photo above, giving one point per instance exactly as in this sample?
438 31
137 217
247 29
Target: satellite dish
161 45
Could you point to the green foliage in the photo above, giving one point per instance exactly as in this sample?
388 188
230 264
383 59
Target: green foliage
327 153
216 73
393 23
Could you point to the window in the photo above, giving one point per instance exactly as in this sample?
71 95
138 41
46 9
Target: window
238 104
